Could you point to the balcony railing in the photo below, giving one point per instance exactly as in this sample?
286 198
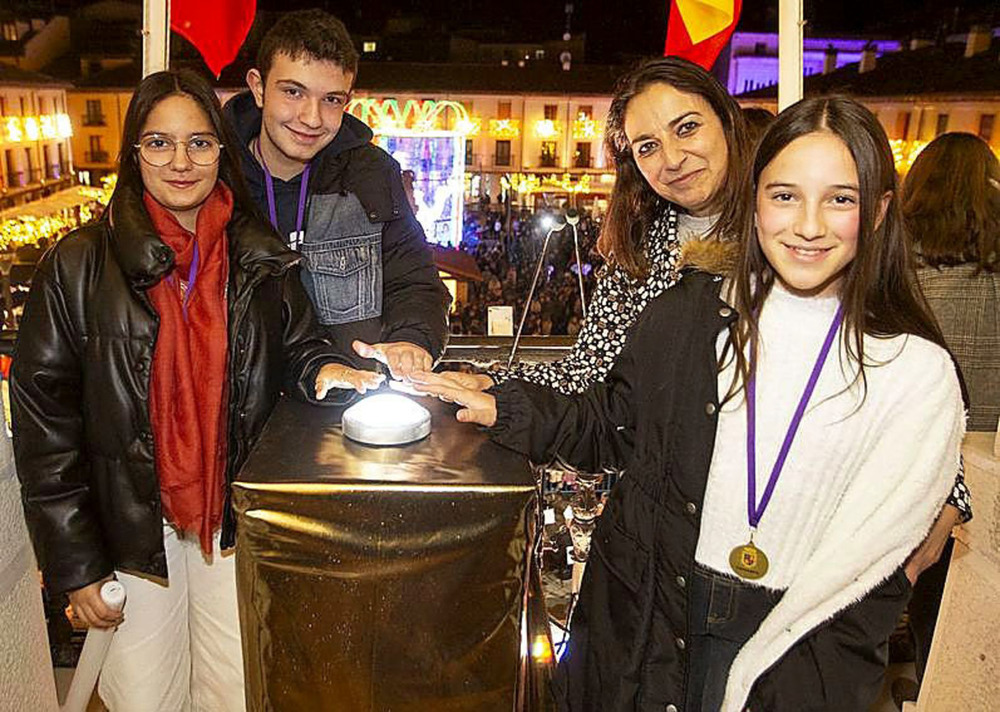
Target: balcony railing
96 156
486 350
94 120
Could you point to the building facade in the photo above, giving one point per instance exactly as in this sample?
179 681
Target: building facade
35 130
919 93
753 57
98 116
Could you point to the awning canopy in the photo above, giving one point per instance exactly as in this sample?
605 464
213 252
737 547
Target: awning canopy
457 263
55 203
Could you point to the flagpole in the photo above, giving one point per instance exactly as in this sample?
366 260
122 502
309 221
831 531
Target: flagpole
789 52
155 36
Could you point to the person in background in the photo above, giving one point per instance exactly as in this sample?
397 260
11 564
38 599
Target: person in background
336 197
154 345
951 204
757 120
754 555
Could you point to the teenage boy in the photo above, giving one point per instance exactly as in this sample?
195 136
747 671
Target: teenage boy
338 198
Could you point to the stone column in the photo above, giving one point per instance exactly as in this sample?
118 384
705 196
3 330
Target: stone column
963 672
26 679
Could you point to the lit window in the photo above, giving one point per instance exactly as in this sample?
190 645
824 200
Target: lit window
986 126
369 47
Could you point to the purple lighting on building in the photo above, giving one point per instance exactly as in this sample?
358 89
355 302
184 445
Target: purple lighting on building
753 57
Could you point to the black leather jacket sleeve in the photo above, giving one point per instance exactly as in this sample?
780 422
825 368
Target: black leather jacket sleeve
415 301
49 440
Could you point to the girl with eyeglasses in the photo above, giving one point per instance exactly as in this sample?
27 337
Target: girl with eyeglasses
784 450
153 347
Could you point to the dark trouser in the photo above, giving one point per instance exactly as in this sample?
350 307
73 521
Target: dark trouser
725 612
924 607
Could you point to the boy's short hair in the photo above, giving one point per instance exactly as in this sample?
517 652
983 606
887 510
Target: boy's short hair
314 34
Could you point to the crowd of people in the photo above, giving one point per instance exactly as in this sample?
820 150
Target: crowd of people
507 260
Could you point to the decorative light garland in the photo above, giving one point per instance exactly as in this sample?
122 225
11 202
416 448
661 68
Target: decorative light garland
505 129
29 229
584 128
547 128
904 153
32 128
528 183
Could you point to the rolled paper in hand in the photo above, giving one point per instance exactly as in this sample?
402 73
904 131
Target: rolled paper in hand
95 649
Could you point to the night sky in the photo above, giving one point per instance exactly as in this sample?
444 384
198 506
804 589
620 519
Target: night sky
639 26
631 27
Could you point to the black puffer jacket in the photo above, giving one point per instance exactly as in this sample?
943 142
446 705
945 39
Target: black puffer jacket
367 264
80 384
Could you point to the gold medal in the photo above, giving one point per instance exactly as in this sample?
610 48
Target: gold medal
748 561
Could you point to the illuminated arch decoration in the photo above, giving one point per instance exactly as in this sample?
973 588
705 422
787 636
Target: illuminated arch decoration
429 139
415 117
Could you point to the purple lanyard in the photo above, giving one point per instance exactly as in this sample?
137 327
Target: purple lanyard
192 276
272 209
755 511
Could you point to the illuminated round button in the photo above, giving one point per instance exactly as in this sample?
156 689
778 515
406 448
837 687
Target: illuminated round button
386 419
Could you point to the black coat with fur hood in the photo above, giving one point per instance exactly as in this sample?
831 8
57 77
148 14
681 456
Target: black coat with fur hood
627 649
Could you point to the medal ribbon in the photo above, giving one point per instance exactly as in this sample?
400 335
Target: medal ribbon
755 511
192 276
271 207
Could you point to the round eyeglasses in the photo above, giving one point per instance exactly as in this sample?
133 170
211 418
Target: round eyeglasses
159 151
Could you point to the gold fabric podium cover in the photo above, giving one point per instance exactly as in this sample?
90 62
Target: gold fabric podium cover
382 578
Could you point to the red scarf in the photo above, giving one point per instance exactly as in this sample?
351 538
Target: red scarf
187 399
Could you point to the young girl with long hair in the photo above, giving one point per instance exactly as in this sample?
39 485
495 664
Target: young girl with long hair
785 450
153 348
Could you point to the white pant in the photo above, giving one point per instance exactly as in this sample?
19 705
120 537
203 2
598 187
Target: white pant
179 648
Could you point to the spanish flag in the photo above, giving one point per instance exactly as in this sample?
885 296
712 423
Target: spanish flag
699 29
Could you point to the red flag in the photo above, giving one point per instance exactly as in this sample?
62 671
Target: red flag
216 28
698 30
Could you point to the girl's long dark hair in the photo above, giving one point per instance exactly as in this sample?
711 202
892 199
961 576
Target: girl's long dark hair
150 92
879 292
634 205
951 202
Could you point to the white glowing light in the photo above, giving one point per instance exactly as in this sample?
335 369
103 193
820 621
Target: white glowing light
547 222
386 419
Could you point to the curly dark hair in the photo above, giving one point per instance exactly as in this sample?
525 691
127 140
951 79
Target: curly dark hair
634 205
308 33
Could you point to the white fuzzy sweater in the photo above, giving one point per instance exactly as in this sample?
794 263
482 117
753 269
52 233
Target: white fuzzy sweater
861 486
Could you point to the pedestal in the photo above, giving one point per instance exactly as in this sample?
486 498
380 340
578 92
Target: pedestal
387 578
